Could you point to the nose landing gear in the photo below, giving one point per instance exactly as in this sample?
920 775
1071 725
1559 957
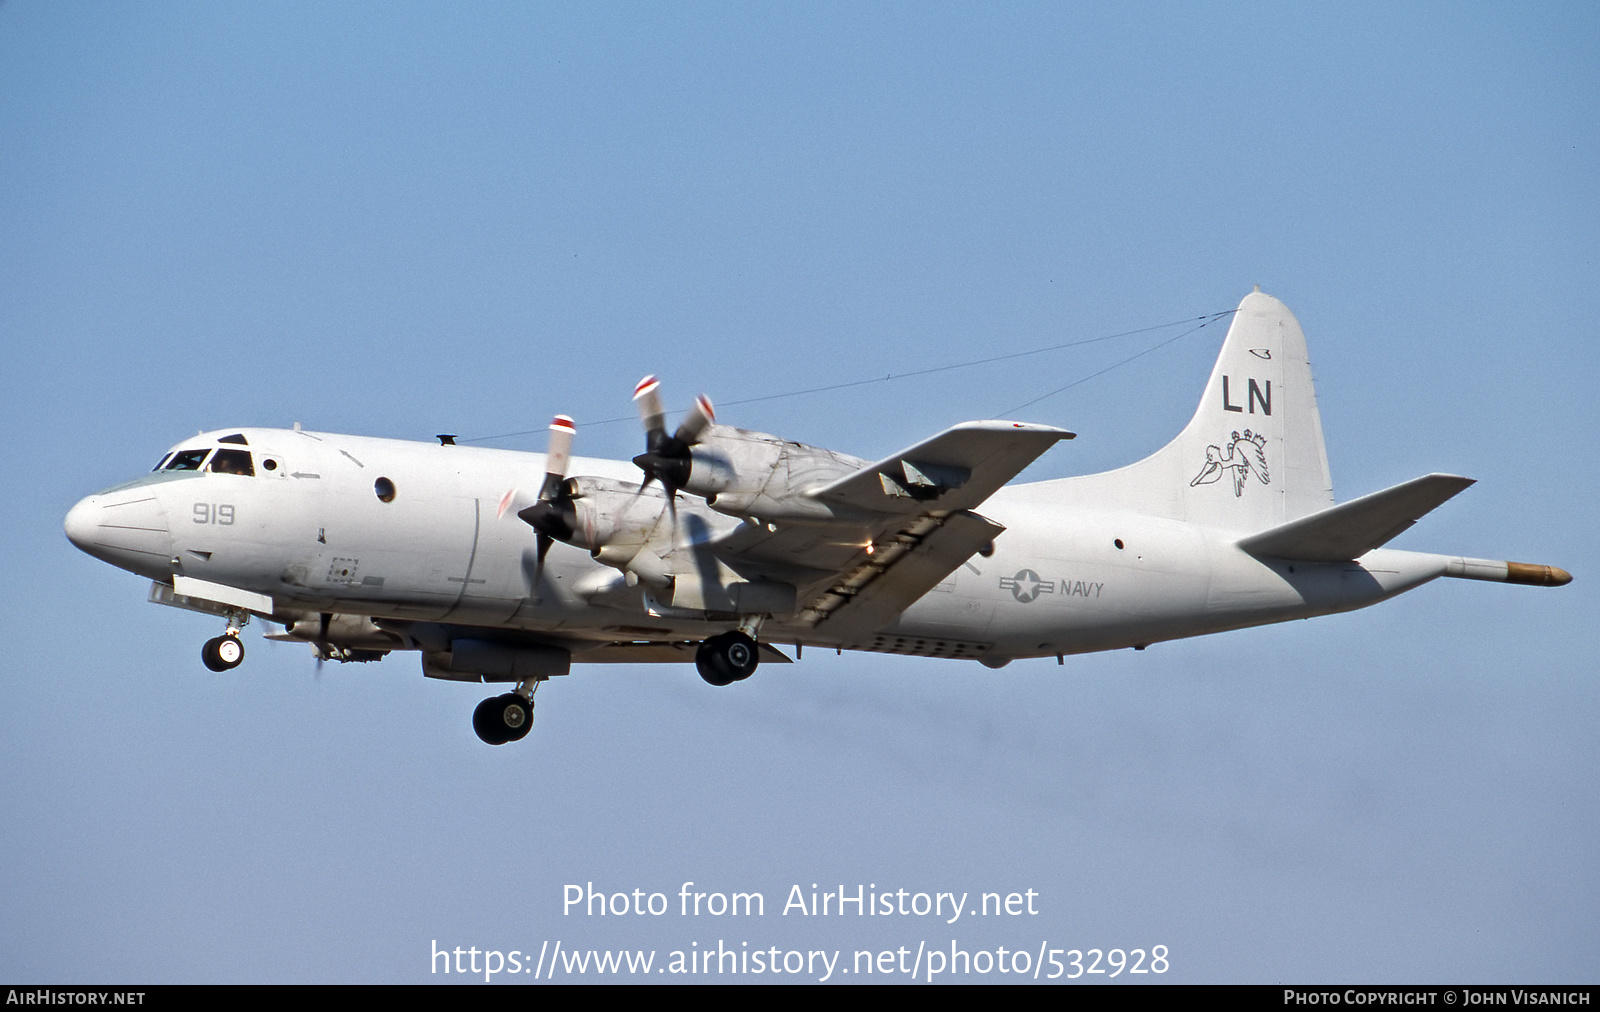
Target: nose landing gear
223 653
226 652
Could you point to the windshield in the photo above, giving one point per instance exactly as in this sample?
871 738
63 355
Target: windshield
187 460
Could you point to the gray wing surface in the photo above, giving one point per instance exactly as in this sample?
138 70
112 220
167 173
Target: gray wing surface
957 469
914 509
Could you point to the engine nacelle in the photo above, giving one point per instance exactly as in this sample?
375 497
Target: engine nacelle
752 474
613 518
357 632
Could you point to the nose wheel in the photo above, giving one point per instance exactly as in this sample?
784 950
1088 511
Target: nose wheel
223 653
502 719
226 652
727 658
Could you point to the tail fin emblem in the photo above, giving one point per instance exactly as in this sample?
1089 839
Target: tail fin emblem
1246 455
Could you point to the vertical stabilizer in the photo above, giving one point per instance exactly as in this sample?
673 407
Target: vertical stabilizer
1252 456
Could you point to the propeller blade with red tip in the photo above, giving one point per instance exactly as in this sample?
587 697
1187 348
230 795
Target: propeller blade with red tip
559 454
667 459
553 515
701 415
646 394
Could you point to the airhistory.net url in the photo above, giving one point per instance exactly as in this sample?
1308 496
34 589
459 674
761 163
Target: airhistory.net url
930 964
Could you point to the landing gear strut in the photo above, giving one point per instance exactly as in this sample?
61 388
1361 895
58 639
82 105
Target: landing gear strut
507 718
727 658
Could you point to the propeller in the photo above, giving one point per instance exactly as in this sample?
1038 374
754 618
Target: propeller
553 515
321 642
667 458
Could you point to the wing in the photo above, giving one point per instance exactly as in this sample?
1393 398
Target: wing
889 580
797 533
957 469
899 526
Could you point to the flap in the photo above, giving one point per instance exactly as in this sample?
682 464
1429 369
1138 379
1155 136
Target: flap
892 578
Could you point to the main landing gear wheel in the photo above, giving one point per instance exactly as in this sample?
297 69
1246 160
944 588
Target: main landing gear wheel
502 719
727 658
223 653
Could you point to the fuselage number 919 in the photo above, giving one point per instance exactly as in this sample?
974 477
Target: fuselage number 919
213 513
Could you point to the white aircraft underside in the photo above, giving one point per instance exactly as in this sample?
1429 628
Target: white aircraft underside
498 566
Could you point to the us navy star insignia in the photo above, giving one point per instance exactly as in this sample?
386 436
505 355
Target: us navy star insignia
1026 585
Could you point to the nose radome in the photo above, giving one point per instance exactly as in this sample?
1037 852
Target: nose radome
80 522
127 529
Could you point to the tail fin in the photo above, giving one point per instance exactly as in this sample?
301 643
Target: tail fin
1252 456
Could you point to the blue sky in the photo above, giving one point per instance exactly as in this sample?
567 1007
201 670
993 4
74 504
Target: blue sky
397 220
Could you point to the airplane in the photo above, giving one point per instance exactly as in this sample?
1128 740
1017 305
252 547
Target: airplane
721 545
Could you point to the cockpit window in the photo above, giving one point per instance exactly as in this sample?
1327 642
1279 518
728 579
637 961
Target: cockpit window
232 462
187 460
163 463
237 437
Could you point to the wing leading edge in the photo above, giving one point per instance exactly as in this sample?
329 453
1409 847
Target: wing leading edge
956 470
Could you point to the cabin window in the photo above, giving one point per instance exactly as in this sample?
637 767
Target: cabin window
384 489
187 460
232 462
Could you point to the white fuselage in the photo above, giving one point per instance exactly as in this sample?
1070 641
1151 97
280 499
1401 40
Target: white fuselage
309 530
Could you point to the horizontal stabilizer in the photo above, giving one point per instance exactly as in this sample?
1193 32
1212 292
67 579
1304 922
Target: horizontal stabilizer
1351 530
956 470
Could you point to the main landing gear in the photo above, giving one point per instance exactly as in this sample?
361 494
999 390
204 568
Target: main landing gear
507 718
226 652
727 658
723 659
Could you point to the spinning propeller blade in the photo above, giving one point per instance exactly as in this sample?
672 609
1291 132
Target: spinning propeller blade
667 459
323 620
553 515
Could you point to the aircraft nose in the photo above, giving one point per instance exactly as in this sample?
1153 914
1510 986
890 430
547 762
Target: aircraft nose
81 522
127 529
